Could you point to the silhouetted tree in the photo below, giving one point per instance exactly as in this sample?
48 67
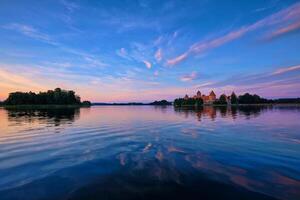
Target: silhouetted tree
222 100
188 102
252 99
287 100
86 103
233 98
161 103
54 97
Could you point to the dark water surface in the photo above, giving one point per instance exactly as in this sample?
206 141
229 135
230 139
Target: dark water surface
147 152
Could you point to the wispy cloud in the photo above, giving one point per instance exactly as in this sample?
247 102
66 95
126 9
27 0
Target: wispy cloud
31 32
148 64
287 15
265 83
158 55
36 34
190 77
204 85
285 70
272 4
123 53
284 30
70 6
15 81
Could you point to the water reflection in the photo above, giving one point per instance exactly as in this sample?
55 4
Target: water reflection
223 111
53 116
150 152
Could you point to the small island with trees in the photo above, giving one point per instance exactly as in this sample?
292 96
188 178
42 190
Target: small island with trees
51 98
245 99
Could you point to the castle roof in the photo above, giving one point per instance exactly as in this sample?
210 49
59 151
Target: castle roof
212 93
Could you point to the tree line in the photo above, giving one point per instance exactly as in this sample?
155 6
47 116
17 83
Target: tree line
51 97
181 102
242 99
161 103
232 99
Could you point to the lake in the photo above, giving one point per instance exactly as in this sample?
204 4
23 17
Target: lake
149 152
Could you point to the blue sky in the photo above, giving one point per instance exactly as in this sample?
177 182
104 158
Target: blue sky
119 51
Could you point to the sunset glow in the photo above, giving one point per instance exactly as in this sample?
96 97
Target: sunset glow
115 51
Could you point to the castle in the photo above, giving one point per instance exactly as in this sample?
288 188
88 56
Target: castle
210 99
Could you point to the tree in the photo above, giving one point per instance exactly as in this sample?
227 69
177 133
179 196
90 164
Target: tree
57 96
86 103
161 103
188 102
252 99
223 99
199 102
233 98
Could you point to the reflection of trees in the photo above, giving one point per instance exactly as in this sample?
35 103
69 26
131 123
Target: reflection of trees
250 111
223 111
56 116
206 111
162 108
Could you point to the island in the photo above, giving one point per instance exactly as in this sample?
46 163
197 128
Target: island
246 99
51 98
161 103
155 103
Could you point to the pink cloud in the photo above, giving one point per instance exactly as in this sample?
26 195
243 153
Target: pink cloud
189 77
158 55
286 69
178 59
282 31
287 15
147 63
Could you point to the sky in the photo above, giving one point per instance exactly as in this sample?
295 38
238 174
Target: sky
138 50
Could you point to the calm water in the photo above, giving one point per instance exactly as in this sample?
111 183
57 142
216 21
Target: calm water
145 152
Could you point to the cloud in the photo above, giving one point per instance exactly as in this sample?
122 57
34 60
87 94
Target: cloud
204 85
178 59
70 6
284 30
287 15
286 69
122 53
93 61
10 80
147 63
34 33
158 55
189 77
59 64
277 83
272 4
30 31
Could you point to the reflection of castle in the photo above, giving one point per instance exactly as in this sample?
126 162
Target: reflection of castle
213 112
211 98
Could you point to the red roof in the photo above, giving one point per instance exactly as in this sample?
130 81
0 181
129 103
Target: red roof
212 93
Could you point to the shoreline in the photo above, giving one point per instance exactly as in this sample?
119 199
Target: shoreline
187 106
42 106
239 105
